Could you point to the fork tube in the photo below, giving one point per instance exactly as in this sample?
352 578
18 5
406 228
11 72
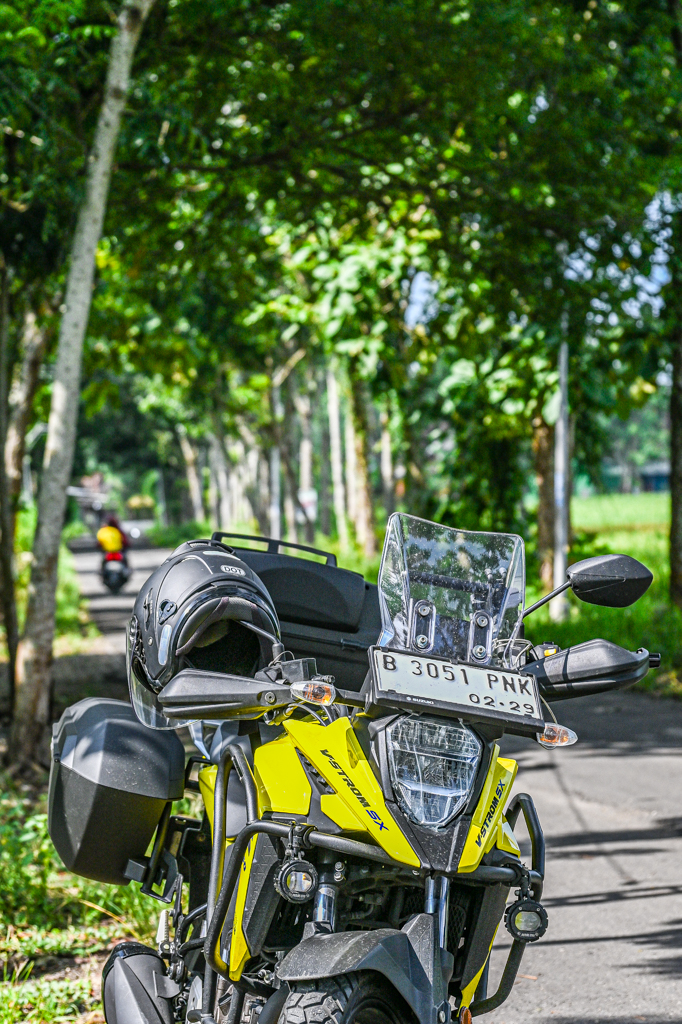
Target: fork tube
430 897
442 892
324 909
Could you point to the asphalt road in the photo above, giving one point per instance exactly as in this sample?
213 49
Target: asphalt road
613 825
110 612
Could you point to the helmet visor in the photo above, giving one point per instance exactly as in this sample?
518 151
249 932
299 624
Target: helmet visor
142 697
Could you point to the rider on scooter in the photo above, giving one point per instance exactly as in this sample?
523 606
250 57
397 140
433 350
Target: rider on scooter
113 542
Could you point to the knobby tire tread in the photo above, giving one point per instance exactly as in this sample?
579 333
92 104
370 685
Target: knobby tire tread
318 1002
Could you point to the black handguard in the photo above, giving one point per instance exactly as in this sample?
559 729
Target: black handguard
593 667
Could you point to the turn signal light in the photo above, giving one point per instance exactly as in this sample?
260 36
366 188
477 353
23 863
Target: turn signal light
315 691
554 735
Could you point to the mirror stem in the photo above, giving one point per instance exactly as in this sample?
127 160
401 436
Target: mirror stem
546 598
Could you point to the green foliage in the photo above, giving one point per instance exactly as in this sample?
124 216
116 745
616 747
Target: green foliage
45 1001
45 912
71 610
172 536
319 158
36 891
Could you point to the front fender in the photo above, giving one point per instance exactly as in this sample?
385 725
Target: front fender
410 960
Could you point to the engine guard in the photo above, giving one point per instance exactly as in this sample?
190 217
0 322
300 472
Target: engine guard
410 959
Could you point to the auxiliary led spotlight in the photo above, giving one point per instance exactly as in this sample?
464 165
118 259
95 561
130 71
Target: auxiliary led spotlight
526 920
296 881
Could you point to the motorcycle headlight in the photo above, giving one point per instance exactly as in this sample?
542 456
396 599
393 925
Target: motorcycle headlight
433 767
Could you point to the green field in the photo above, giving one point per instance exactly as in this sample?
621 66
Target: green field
625 511
635 524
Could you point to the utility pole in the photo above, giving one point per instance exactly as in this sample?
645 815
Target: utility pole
558 606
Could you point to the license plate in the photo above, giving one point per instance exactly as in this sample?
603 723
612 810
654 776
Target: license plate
487 692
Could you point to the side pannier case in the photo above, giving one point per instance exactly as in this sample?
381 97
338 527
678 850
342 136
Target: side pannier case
110 779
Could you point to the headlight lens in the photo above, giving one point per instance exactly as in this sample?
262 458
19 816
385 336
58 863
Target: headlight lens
433 766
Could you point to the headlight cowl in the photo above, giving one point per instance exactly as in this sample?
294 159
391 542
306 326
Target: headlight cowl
433 767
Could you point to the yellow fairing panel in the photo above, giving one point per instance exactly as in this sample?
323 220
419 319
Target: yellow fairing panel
339 812
239 950
484 828
337 755
207 777
281 782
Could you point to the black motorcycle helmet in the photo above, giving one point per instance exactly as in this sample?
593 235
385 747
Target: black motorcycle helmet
202 608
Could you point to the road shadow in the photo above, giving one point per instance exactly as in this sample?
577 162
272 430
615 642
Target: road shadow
661 828
667 940
625 895
617 723
582 1019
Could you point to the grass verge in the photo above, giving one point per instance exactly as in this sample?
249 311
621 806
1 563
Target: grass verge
55 928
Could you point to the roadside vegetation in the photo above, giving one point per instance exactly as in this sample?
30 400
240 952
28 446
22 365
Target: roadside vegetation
72 623
55 928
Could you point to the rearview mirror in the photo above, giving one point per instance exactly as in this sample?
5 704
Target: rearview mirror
614 581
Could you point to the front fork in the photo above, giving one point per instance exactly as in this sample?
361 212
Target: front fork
436 903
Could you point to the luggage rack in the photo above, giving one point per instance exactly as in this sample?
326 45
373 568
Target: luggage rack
273 545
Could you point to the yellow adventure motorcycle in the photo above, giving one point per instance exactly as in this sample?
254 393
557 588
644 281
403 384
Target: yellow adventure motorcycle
357 853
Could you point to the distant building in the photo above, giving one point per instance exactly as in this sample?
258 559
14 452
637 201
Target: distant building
629 479
655 476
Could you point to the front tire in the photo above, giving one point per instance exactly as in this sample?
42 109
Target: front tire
360 998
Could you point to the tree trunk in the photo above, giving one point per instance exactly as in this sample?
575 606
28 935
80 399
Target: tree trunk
261 491
364 510
676 470
34 654
543 456
306 497
213 493
22 393
161 503
387 484
9 605
225 511
275 506
290 509
193 479
338 492
277 410
351 469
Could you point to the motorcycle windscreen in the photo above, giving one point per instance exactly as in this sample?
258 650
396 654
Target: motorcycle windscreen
143 699
435 579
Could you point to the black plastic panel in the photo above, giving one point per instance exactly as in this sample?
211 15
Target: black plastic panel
309 592
262 899
196 694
